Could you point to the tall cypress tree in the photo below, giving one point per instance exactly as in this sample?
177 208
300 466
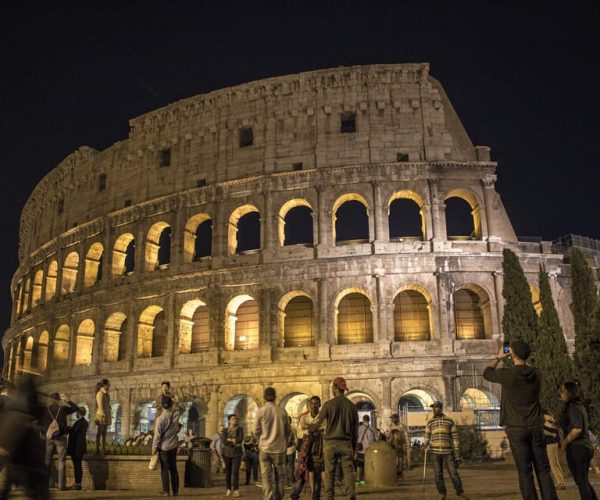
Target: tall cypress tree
519 320
586 316
552 357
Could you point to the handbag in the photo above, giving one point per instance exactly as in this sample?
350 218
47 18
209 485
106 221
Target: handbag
153 465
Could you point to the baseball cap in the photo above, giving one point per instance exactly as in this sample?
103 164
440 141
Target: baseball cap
340 383
521 348
437 404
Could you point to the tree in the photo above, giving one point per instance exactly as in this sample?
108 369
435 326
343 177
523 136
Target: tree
519 320
552 357
586 316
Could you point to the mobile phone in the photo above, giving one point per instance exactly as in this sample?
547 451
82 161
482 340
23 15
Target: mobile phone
506 347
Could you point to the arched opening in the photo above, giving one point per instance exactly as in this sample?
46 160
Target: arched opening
158 246
114 431
296 318
84 343
93 265
295 404
194 418
51 281
478 398
17 298
535 299
194 331
114 348
36 295
354 319
62 342
472 313
365 406
123 260
406 217
39 359
152 333
26 291
244 230
350 220
412 316
69 273
295 223
463 219
242 324
144 416
28 353
245 408
197 238
415 400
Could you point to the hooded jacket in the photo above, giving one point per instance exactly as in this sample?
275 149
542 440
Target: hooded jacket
520 401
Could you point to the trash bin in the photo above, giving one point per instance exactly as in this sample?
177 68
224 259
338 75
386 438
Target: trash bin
197 468
380 465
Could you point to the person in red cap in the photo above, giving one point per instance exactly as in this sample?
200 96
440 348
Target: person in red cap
340 437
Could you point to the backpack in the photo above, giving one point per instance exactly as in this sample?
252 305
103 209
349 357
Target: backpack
53 431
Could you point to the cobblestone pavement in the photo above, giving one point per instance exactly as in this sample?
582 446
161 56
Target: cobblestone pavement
490 481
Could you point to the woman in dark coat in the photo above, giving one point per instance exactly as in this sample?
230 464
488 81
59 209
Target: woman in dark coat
232 438
77 446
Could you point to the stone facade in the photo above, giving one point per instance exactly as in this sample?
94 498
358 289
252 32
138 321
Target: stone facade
116 279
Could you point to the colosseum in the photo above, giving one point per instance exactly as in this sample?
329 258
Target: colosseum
280 232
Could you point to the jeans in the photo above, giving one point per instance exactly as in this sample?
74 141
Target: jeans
251 460
447 459
77 468
60 445
168 465
334 450
528 445
232 472
291 465
578 459
272 470
316 486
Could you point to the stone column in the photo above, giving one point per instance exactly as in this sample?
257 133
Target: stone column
212 417
171 337
488 195
385 411
97 350
324 219
267 231
445 312
325 338
140 248
126 413
438 223
382 233
131 334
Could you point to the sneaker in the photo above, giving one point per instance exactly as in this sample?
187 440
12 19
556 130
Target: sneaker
228 493
163 493
258 484
236 493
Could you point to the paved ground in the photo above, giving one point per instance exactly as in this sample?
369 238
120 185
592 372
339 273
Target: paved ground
490 481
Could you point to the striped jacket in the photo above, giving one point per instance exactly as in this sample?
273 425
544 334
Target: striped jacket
442 436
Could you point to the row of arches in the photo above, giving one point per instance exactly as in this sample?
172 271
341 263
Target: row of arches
297 320
350 224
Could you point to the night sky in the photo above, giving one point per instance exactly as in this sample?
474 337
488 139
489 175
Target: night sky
523 76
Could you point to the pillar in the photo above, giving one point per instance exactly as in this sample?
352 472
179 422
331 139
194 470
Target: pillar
324 218
381 228
488 194
438 226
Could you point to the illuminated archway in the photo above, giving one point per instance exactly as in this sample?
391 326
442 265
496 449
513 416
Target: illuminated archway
69 273
123 259
295 404
237 221
51 277
84 342
295 223
242 324
406 216
114 342
350 219
353 317
144 416
478 397
93 265
197 238
415 400
194 331
61 347
26 291
412 315
28 353
40 352
295 319
36 295
245 408
365 405
463 216
158 246
472 314
152 333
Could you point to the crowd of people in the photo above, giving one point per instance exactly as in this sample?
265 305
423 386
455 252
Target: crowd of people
328 446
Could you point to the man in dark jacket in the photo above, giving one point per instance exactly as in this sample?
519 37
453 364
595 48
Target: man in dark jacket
522 414
77 447
54 429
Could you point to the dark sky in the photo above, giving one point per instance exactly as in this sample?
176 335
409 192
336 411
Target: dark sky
523 76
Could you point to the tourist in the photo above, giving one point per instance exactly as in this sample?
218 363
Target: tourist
189 438
340 437
552 437
272 429
366 437
165 390
216 448
165 444
441 438
309 464
574 423
523 418
403 444
54 428
396 441
232 439
250 449
77 446
103 418
290 455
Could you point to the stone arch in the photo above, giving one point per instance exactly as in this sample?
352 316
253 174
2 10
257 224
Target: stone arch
194 327
151 333
39 359
535 298
26 292
144 416
51 277
84 342
193 242
407 222
416 399
478 397
123 258
295 317
17 298
61 346
242 324
158 246
235 219
474 205
113 348
28 353
93 265
69 273
300 219
472 313
245 408
194 417
115 430
413 314
360 224
36 294
295 403
366 403
353 317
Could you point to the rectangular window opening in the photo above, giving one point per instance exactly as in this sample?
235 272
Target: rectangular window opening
246 137
401 156
101 182
61 206
297 166
200 183
348 123
164 157
127 203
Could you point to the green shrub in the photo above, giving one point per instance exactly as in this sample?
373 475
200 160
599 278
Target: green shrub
473 448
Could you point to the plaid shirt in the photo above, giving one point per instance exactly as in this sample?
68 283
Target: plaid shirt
442 435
